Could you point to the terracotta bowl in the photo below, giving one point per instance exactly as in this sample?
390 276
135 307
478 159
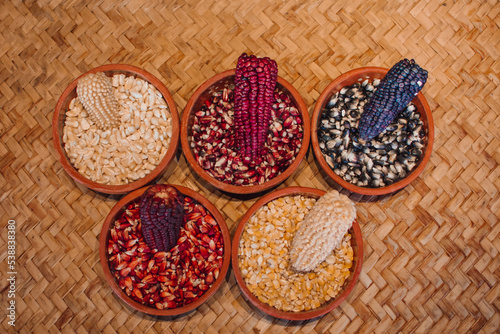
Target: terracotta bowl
349 78
204 92
357 246
103 253
60 116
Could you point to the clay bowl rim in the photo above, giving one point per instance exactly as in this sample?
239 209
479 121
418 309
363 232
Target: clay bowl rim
234 189
305 315
349 78
59 117
103 254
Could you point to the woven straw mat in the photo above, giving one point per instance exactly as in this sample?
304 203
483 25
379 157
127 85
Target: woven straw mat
431 262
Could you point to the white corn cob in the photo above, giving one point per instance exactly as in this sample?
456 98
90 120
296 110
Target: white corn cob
321 231
95 92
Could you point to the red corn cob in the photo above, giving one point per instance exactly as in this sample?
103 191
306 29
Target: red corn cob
255 82
162 216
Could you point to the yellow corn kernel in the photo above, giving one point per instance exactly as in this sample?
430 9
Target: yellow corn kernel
269 275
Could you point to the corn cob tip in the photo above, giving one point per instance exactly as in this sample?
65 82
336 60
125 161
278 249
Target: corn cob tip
95 92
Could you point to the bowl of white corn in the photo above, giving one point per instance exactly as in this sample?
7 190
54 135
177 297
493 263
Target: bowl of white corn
115 129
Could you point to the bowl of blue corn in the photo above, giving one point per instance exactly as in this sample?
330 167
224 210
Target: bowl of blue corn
372 129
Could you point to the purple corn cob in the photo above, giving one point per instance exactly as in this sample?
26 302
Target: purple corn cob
162 216
255 81
399 86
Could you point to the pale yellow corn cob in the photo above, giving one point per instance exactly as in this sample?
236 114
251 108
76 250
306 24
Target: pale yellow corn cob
95 92
321 231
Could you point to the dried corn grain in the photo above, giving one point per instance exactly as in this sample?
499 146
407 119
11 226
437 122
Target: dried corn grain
125 153
273 279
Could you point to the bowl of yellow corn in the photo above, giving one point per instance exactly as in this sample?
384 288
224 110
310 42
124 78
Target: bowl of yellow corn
297 253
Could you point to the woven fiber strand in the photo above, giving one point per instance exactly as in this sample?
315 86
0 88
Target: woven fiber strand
431 250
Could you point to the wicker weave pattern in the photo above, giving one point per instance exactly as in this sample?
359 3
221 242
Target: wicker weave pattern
432 250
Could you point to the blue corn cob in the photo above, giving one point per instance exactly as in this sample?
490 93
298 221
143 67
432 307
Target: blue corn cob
399 86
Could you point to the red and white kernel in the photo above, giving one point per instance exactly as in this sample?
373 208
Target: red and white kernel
213 140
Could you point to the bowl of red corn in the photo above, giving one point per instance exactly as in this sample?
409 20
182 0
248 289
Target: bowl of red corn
245 130
284 267
164 250
371 133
